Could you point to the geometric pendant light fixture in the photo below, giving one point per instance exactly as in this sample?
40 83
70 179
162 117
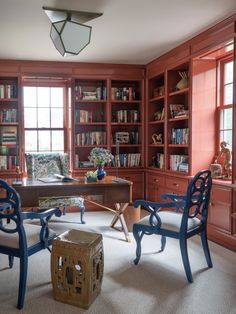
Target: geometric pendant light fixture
68 33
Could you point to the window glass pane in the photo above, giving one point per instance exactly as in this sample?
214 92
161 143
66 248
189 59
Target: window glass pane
31 141
228 94
44 117
30 96
228 72
57 141
227 137
57 97
57 117
226 119
43 96
44 108
44 141
30 117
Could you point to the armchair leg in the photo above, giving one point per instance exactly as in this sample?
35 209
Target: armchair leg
184 253
23 279
138 235
82 210
11 260
163 243
206 249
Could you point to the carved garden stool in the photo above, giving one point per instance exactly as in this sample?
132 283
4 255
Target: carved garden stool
77 267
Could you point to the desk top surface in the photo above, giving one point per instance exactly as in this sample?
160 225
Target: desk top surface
80 181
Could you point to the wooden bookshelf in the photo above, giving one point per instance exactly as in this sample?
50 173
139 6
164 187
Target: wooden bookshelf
89 118
108 121
9 125
156 122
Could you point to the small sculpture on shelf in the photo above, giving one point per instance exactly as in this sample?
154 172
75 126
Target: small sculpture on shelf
221 168
159 91
159 115
183 83
157 138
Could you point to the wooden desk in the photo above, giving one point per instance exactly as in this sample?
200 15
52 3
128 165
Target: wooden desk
119 193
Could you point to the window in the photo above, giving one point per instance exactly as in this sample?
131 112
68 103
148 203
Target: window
226 103
44 119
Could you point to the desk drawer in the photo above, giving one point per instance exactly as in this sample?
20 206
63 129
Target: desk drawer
176 185
156 179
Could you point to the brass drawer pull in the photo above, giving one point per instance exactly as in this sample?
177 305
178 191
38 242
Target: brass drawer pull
156 180
176 184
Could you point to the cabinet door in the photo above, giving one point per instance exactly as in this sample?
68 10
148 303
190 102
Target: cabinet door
220 207
155 187
138 183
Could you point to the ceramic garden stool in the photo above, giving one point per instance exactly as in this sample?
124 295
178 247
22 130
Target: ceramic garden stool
77 267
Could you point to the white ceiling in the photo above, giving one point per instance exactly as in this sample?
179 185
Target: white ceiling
130 31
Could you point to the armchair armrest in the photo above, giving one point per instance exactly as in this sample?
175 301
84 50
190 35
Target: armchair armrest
44 219
173 197
40 215
154 207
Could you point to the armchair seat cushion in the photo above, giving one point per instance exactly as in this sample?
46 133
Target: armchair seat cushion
172 221
32 235
61 201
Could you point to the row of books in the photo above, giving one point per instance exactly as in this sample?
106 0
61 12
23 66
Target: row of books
7 162
123 93
126 116
179 136
9 137
91 138
158 160
178 110
8 115
90 93
8 91
127 160
179 163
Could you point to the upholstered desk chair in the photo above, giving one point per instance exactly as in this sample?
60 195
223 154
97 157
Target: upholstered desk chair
19 238
41 165
179 224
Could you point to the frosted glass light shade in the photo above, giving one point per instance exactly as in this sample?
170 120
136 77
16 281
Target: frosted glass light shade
69 37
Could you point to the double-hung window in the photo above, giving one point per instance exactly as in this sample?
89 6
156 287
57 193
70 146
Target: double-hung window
226 102
44 122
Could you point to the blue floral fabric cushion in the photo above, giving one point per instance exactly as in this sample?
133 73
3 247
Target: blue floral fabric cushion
49 202
46 164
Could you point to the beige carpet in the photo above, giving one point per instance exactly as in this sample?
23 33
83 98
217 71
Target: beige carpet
157 285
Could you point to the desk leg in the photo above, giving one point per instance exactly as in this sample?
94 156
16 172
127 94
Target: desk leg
120 208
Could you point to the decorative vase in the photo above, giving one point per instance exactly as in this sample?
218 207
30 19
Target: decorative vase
101 173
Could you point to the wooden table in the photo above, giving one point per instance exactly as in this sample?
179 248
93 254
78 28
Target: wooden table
118 192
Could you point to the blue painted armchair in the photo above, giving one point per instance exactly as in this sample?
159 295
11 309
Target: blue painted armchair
41 165
19 238
188 218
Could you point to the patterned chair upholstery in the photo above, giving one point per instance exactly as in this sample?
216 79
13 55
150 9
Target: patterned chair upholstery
41 165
